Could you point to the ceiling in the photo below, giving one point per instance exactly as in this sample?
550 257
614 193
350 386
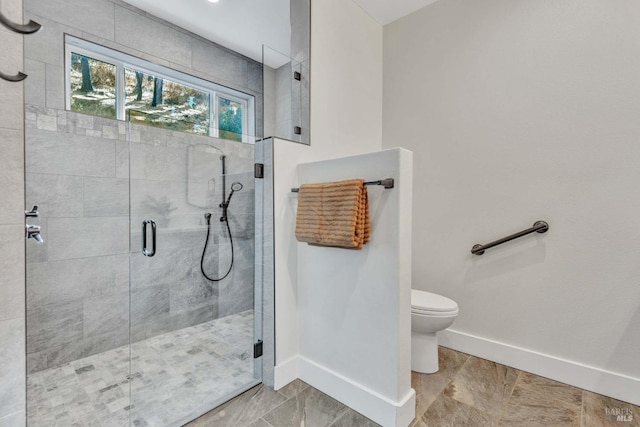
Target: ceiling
387 11
245 25
240 25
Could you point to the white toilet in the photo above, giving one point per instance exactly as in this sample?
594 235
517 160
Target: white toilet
430 313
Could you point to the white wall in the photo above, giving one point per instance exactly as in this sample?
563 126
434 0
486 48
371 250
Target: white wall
346 119
518 111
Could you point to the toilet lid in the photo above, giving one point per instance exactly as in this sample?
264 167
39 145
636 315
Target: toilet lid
426 301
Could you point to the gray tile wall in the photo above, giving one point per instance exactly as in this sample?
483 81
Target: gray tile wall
78 172
78 283
168 290
120 26
291 100
288 100
12 295
284 96
300 34
301 62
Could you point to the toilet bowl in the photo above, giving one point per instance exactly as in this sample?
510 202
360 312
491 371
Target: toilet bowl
430 313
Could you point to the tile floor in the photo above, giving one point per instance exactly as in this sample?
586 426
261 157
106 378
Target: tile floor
175 377
467 391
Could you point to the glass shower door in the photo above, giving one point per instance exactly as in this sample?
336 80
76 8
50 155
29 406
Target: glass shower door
192 312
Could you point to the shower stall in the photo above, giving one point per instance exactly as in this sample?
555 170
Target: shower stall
144 290
123 326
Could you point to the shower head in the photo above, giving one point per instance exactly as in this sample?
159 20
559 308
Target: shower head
236 186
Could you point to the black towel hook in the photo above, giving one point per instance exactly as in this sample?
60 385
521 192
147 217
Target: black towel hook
28 28
17 78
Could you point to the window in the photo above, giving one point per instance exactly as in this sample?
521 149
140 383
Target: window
230 118
92 86
107 83
158 101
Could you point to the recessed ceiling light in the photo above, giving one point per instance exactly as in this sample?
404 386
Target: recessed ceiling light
214 1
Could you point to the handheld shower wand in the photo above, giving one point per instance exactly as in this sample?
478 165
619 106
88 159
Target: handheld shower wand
236 186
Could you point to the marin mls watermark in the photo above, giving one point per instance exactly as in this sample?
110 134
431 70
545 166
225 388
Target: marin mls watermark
618 414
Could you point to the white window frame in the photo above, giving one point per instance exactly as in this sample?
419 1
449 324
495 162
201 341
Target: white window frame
122 60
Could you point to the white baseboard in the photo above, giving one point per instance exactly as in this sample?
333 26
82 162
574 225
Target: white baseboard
285 372
373 405
597 380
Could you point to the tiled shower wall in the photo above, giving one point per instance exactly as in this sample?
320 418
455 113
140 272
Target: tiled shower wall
168 290
291 97
120 26
12 322
78 173
78 281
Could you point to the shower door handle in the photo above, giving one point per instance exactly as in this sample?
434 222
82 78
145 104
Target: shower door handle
145 250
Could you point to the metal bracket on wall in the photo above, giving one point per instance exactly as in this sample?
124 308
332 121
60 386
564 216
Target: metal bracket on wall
297 130
297 75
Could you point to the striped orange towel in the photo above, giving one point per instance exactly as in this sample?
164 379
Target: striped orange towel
334 214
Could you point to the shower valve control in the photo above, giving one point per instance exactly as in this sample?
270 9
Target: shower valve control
33 213
33 232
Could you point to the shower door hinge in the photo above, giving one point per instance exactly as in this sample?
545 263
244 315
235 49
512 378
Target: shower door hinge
258 170
257 349
297 75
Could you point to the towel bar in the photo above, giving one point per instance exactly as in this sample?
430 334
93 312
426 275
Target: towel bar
387 183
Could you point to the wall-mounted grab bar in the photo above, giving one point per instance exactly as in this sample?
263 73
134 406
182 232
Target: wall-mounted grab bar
28 28
387 183
538 227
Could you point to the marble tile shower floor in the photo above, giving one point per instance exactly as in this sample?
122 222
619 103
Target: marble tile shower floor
174 377
466 392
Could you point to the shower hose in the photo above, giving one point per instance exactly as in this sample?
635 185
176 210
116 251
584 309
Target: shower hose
204 251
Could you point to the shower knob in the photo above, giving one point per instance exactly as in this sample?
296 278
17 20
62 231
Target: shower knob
33 213
33 232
